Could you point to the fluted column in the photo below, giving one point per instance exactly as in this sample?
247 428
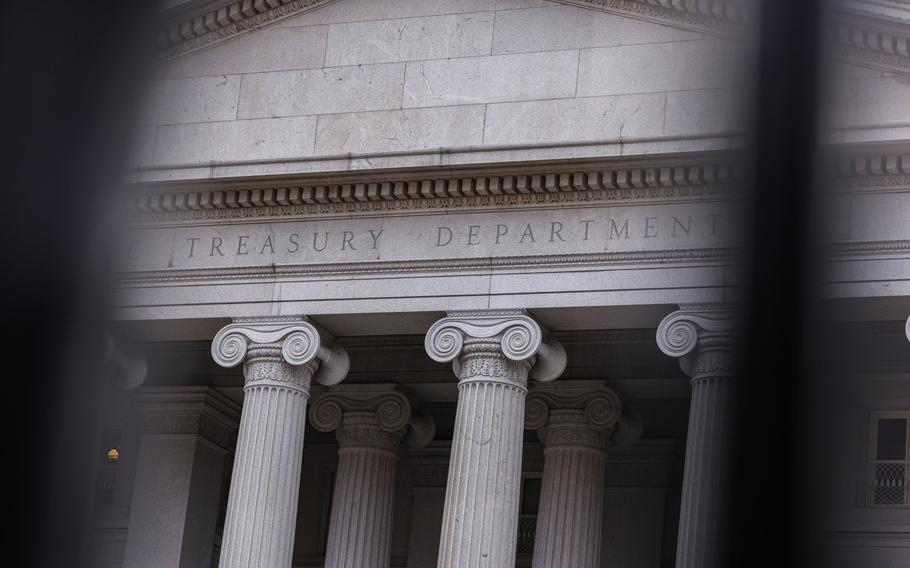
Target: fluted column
493 353
369 422
573 422
281 357
703 341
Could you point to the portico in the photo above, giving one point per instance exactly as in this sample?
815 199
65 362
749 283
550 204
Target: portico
459 279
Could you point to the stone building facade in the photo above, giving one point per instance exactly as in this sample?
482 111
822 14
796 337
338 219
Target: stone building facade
454 283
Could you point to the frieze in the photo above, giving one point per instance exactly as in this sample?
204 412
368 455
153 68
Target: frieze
487 236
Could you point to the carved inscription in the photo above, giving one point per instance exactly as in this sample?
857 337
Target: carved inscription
418 237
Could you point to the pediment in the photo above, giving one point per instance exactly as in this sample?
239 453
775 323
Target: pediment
198 24
870 34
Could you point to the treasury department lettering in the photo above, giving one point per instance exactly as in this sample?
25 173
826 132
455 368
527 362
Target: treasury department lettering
417 237
283 240
582 230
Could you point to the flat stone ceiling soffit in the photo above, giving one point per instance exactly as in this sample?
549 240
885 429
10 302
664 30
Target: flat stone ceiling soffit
869 33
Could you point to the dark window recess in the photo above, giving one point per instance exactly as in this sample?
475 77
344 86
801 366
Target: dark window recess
890 467
527 519
892 439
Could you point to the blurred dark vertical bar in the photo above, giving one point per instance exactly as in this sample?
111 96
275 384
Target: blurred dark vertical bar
70 73
770 510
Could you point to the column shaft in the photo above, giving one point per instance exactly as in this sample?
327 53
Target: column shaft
573 422
700 512
480 518
703 339
369 422
363 507
570 521
262 506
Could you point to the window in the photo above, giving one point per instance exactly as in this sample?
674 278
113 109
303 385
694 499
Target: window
889 459
527 520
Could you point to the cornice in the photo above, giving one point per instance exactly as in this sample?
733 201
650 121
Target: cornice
717 17
417 191
191 30
864 169
874 34
658 179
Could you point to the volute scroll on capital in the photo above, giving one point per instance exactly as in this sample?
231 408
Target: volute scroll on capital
680 333
301 343
394 411
601 405
519 337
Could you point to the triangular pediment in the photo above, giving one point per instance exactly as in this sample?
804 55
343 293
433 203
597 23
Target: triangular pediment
336 33
869 34
199 24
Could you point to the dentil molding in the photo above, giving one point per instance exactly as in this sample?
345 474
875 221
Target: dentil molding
301 343
416 191
632 181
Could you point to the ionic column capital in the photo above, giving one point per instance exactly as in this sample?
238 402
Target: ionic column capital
293 340
573 415
511 333
702 338
375 415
